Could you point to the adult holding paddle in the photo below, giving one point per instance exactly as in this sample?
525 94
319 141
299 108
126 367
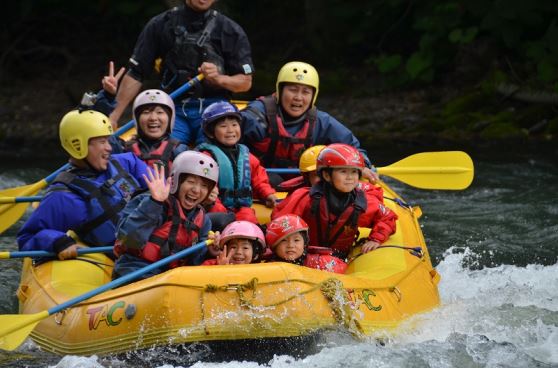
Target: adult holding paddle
85 200
279 127
190 39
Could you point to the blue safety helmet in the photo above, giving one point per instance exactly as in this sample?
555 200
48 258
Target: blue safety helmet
217 111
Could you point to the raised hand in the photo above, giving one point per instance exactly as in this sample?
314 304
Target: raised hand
110 81
158 186
223 258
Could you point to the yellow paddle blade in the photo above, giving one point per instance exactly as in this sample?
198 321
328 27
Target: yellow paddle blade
129 134
10 213
449 170
15 328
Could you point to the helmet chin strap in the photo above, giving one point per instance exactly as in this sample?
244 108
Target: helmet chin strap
82 164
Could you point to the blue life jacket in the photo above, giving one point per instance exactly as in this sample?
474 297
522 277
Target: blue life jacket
104 200
235 185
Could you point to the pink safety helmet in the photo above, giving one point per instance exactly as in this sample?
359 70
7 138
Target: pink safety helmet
245 230
154 97
194 163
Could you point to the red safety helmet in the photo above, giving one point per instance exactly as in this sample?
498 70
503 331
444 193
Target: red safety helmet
340 155
284 226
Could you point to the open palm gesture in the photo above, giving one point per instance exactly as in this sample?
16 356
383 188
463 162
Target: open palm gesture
158 186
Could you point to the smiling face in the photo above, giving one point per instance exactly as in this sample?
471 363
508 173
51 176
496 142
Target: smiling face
342 179
296 98
98 153
227 131
290 247
153 122
193 190
241 250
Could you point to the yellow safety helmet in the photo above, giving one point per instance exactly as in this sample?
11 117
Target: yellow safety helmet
307 161
301 73
77 127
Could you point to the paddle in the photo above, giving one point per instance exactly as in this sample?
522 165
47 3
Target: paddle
12 211
448 170
4 200
44 253
15 328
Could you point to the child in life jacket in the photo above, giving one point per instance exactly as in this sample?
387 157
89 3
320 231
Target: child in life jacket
287 236
169 217
241 242
309 175
241 176
335 207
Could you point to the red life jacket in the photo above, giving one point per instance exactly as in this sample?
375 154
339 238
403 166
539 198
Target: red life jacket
321 258
336 232
160 156
174 235
281 149
293 184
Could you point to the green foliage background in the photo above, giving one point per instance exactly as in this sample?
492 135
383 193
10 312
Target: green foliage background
403 42
448 68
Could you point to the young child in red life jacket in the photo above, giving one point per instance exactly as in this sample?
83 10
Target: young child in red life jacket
335 206
169 217
309 175
241 242
287 236
241 176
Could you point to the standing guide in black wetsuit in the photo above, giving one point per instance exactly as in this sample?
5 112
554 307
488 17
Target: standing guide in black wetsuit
190 39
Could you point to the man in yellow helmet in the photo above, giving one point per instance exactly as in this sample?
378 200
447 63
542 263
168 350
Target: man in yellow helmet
279 127
84 201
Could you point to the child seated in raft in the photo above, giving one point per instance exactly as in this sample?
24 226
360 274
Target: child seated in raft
241 176
242 242
309 177
287 236
169 217
335 207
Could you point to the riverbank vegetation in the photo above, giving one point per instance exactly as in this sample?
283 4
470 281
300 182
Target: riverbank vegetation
393 68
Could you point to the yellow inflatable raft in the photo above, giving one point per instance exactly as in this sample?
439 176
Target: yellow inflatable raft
220 303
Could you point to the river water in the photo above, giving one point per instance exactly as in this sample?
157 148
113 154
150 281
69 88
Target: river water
495 245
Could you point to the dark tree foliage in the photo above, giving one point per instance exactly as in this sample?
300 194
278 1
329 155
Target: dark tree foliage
401 42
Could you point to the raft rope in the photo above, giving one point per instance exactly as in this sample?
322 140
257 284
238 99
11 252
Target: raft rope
332 289
400 202
339 302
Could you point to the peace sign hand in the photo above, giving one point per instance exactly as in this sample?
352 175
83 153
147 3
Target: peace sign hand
110 81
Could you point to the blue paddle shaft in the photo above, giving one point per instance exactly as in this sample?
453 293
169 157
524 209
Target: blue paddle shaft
44 253
127 278
279 170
